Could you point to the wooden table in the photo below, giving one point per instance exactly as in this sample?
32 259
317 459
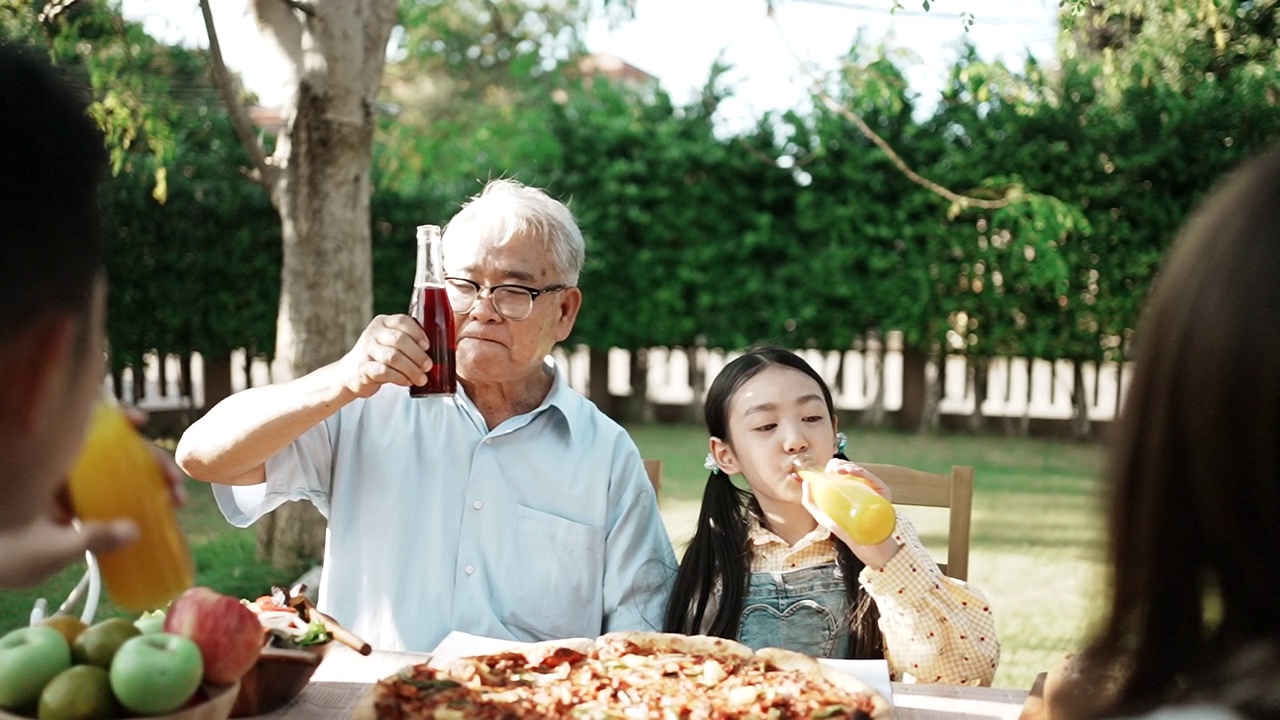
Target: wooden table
344 676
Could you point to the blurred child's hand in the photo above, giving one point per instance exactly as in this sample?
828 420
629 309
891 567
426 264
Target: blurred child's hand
47 544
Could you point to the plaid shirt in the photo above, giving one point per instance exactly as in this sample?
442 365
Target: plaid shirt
936 629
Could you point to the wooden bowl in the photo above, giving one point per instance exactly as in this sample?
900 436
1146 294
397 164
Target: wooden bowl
277 677
216 705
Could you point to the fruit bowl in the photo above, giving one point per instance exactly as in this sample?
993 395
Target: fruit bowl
276 678
216 705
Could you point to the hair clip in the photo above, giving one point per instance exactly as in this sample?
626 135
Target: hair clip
711 464
842 441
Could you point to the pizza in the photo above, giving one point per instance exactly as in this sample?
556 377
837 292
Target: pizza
625 676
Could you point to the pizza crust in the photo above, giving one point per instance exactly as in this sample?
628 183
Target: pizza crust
619 643
791 660
664 647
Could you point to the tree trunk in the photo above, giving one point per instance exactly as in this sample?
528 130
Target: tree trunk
287 536
931 415
162 376
184 379
1081 425
873 371
117 381
247 368
1024 425
978 376
914 363
638 407
697 379
217 379
318 180
598 382
1115 415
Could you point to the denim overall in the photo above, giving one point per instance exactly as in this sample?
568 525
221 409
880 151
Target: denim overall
803 610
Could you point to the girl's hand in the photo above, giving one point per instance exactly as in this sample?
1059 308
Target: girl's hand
874 556
836 466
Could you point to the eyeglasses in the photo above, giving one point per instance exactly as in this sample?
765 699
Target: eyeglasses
513 302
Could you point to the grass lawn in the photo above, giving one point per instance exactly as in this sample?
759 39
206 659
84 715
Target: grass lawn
1035 553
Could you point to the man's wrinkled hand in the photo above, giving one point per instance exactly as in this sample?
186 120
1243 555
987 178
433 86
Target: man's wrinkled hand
392 349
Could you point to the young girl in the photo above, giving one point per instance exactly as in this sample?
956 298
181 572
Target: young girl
762 570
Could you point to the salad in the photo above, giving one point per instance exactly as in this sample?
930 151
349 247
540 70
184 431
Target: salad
286 628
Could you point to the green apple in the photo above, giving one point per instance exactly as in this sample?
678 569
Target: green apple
29 658
82 692
100 642
156 673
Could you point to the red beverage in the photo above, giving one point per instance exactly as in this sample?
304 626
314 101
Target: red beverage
433 313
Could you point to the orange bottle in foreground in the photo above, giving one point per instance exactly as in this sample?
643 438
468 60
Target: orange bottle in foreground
116 476
860 511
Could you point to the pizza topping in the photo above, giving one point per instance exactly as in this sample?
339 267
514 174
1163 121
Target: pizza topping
626 680
712 673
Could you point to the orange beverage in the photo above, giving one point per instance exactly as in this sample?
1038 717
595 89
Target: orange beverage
860 511
115 477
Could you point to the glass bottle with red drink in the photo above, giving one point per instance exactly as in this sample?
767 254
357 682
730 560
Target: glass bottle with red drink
430 307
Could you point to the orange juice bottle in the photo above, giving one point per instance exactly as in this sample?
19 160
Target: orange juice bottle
115 477
860 511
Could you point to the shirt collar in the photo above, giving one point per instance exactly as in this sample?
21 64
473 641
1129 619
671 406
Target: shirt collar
758 534
564 399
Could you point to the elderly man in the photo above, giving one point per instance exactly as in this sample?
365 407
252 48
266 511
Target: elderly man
513 509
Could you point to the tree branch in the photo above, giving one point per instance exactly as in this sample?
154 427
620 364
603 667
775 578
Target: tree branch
277 19
964 201
380 17
263 173
961 201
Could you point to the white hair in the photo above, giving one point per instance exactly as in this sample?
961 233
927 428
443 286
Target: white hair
514 209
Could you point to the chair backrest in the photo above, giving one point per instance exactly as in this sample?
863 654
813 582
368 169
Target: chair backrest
654 469
954 492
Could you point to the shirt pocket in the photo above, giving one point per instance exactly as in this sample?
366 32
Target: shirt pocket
558 592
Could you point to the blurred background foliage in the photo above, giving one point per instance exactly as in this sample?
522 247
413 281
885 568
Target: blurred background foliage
797 231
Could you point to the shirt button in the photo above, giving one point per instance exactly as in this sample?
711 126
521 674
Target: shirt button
488 441
470 569
477 504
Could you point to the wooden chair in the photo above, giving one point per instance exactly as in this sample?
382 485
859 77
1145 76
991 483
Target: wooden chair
954 492
654 469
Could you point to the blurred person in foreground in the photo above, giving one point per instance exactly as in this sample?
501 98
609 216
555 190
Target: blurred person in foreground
1192 628
513 509
52 307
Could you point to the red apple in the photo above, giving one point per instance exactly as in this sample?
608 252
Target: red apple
228 633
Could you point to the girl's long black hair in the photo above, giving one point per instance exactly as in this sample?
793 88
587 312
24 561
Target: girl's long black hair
719 555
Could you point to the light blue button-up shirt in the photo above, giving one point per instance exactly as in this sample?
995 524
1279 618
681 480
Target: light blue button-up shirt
545 527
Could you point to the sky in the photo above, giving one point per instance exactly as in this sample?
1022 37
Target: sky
678 40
